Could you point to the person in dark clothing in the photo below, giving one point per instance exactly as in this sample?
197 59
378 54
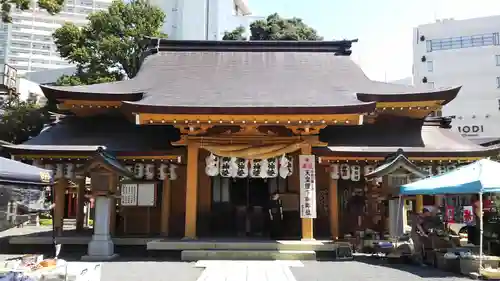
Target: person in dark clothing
418 233
275 215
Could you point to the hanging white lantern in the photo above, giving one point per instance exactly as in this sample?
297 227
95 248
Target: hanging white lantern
130 168
212 165
51 167
225 167
255 166
355 172
241 168
284 169
139 170
59 173
172 174
149 171
38 163
427 169
272 167
441 170
234 167
450 168
345 172
264 166
335 171
162 172
368 169
69 171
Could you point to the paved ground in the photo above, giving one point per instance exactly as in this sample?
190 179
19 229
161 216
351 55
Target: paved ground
362 269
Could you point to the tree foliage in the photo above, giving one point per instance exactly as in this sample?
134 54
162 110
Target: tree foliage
109 47
51 6
237 34
277 28
21 120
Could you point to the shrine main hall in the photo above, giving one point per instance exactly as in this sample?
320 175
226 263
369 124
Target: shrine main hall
193 146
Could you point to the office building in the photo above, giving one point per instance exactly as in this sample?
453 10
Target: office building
203 19
463 52
27 43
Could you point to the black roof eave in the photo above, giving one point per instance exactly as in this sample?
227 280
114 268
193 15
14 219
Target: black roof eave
445 95
62 93
137 107
422 152
399 162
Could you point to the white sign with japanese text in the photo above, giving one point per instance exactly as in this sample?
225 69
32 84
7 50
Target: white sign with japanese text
307 186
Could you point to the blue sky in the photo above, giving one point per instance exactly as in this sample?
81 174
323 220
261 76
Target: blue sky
384 27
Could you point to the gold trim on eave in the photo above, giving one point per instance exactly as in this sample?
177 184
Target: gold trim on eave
149 157
267 119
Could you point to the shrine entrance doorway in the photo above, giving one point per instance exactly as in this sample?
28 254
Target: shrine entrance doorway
239 207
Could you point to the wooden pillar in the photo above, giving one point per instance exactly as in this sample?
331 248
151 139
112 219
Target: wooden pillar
307 224
419 203
113 186
165 207
59 199
80 215
191 190
333 194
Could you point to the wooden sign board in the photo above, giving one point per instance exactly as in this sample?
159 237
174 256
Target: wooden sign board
138 194
100 182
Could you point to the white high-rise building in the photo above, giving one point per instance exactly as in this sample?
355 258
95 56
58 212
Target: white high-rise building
203 19
463 52
27 43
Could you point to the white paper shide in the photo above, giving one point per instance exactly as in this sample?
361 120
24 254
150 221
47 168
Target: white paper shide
307 186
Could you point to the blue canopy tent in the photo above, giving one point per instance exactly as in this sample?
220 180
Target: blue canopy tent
480 177
14 172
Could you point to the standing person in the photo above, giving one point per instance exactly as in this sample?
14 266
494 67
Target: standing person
417 233
275 215
474 231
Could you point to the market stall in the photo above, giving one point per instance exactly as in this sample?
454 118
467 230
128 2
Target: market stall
477 178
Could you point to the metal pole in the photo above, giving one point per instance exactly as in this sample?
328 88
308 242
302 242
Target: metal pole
480 231
52 214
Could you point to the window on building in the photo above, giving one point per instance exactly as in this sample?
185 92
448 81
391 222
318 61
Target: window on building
430 66
430 85
463 42
497 59
498 82
498 100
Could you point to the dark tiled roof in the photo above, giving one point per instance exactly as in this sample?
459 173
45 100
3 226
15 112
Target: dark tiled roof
386 137
86 135
211 77
399 162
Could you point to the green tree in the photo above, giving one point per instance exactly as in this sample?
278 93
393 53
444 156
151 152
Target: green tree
277 28
109 47
237 34
21 120
51 6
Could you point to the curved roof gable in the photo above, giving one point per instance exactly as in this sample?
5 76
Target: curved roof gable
225 77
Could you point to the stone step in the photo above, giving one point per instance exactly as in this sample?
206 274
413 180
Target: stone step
195 255
286 245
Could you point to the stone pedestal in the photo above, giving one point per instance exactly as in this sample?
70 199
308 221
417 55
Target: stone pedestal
396 220
101 246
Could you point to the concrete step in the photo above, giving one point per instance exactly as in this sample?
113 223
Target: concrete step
286 245
195 255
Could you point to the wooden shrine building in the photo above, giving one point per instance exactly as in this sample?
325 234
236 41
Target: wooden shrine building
211 128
